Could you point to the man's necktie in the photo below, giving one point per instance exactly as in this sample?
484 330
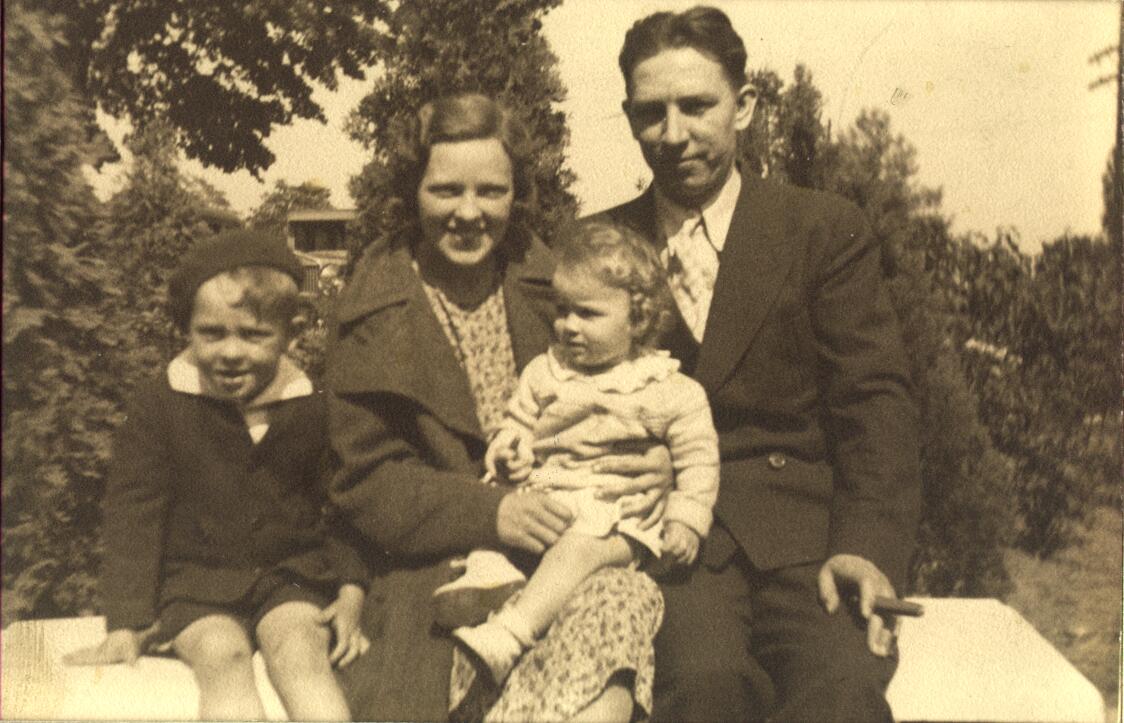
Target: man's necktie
692 267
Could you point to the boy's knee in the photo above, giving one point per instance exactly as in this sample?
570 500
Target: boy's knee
221 649
300 646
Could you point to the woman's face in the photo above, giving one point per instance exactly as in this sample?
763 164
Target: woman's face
464 200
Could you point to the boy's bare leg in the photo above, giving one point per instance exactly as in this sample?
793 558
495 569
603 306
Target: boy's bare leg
219 653
565 566
295 646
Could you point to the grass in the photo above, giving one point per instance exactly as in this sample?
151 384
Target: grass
1074 600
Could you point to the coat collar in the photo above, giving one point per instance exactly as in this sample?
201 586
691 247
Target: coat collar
386 338
288 383
384 278
755 261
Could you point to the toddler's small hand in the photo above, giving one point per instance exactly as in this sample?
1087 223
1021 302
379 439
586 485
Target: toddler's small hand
519 467
510 455
681 542
343 616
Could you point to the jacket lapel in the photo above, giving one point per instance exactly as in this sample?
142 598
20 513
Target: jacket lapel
639 214
389 340
529 303
755 261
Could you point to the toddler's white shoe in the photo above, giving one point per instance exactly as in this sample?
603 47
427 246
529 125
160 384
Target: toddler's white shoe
489 580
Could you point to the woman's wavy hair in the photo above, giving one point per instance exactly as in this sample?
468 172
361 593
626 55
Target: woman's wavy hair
450 119
619 257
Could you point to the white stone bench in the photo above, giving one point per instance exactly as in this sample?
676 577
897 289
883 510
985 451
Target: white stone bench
965 660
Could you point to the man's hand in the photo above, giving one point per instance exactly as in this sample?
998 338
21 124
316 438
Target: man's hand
531 521
343 616
644 494
510 455
120 646
866 581
680 541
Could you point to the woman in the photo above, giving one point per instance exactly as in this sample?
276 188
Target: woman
431 334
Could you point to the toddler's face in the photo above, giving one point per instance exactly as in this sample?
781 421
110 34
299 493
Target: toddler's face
236 352
592 325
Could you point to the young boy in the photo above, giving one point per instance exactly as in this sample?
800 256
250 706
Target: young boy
215 529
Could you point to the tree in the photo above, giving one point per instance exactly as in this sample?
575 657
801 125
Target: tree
966 519
437 47
1043 341
786 139
250 64
309 349
157 216
761 146
61 394
273 211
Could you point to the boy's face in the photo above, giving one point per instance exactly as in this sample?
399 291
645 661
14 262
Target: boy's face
237 353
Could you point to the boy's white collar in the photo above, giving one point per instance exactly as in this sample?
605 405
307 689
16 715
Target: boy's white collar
289 382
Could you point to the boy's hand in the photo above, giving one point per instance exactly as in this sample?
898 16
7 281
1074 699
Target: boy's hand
510 456
120 646
680 541
343 616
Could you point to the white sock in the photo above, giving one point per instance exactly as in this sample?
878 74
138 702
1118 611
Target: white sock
516 623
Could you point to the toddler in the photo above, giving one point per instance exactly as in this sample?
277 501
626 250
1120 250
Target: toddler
601 388
216 530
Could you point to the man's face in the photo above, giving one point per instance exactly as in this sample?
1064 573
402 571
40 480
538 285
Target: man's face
686 115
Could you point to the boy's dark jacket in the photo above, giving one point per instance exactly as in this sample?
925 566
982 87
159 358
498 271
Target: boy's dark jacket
194 510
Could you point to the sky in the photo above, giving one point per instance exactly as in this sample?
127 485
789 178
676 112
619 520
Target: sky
994 95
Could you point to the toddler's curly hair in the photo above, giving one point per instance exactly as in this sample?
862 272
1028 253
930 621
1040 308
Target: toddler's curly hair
621 258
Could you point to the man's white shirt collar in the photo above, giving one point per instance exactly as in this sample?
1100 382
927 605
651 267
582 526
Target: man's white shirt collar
717 215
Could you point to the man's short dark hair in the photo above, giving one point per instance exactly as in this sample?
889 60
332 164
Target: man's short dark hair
703 28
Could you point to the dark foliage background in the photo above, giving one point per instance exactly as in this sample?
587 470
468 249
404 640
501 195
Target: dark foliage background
1015 358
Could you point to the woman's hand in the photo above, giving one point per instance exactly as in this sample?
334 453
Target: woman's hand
531 521
343 616
644 494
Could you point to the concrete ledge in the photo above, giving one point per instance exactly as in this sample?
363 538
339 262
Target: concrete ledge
37 685
979 660
965 660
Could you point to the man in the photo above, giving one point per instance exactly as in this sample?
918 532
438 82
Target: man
784 321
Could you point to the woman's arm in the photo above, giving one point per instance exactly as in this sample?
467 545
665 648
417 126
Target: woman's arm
392 495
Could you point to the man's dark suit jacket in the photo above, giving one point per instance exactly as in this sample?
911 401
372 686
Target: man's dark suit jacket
803 362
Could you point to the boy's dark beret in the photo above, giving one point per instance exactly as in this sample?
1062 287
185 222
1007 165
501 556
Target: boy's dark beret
225 252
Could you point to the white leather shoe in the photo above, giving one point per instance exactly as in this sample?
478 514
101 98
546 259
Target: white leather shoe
489 580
